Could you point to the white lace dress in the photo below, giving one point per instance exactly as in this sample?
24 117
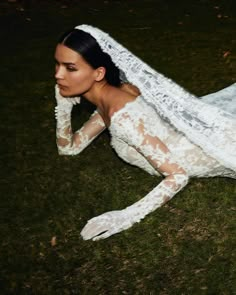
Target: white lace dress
141 138
127 140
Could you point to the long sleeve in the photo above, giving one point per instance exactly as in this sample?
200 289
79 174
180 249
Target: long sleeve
161 194
175 177
67 142
156 152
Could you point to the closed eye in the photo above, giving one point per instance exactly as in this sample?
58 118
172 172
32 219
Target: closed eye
71 69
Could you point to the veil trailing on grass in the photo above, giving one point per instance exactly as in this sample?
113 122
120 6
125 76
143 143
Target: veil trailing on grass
206 125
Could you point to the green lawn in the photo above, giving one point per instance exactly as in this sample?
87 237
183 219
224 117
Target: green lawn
185 247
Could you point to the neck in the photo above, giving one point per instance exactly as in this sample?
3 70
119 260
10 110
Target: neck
99 94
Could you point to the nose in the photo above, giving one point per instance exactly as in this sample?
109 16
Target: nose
59 72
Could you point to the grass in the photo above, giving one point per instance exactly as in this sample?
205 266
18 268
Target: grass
185 247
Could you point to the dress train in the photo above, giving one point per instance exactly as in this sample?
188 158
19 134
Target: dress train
224 99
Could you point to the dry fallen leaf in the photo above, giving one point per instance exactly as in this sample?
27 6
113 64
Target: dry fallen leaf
53 241
226 53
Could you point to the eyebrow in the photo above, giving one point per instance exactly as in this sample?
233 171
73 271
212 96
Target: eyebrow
65 63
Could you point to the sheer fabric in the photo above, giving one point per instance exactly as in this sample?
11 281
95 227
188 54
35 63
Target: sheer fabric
142 138
209 127
224 99
165 131
68 143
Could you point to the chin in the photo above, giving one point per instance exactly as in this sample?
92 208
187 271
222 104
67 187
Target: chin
64 92
67 93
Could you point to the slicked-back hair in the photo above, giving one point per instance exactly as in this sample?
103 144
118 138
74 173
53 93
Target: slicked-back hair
87 46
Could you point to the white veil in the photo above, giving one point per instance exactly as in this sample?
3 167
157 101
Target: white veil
208 126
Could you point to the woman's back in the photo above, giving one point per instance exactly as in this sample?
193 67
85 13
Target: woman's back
126 138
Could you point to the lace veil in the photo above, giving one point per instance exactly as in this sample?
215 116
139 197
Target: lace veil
209 127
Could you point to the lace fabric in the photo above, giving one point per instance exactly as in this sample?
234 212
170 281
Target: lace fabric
224 99
144 135
127 138
207 126
68 143
141 138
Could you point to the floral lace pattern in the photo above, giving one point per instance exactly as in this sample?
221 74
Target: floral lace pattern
126 139
165 131
207 126
68 143
141 138
138 136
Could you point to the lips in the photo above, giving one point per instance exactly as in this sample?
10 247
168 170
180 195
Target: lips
63 87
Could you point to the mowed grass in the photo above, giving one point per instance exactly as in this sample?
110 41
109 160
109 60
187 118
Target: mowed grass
185 247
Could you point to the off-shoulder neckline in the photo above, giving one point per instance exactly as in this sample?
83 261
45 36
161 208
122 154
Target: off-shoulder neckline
127 104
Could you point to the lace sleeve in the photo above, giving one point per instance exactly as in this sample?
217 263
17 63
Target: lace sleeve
67 142
155 151
159 156
73 144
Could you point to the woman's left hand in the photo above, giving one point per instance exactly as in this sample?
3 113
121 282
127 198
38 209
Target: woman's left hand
105 225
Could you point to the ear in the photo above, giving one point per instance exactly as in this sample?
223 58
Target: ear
100 73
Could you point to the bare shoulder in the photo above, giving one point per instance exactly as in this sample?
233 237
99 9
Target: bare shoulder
130 88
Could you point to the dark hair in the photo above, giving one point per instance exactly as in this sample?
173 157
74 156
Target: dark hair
86 45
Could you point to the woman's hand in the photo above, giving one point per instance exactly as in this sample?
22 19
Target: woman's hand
64 104
105 225
65 101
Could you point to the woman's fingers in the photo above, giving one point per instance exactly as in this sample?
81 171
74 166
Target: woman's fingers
74 100
103 236
93 229
103 226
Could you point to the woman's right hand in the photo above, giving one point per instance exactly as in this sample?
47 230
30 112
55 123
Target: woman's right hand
65 102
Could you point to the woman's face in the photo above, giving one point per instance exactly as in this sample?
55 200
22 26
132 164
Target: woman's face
73 74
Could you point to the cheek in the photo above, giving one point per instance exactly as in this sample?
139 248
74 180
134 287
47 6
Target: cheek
80 83
82 79
74 78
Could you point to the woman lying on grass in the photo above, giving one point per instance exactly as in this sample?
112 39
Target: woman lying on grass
153 122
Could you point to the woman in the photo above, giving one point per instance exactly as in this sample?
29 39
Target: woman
154 124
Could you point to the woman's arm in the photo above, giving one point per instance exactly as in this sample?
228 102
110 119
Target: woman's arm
67 142
175 179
